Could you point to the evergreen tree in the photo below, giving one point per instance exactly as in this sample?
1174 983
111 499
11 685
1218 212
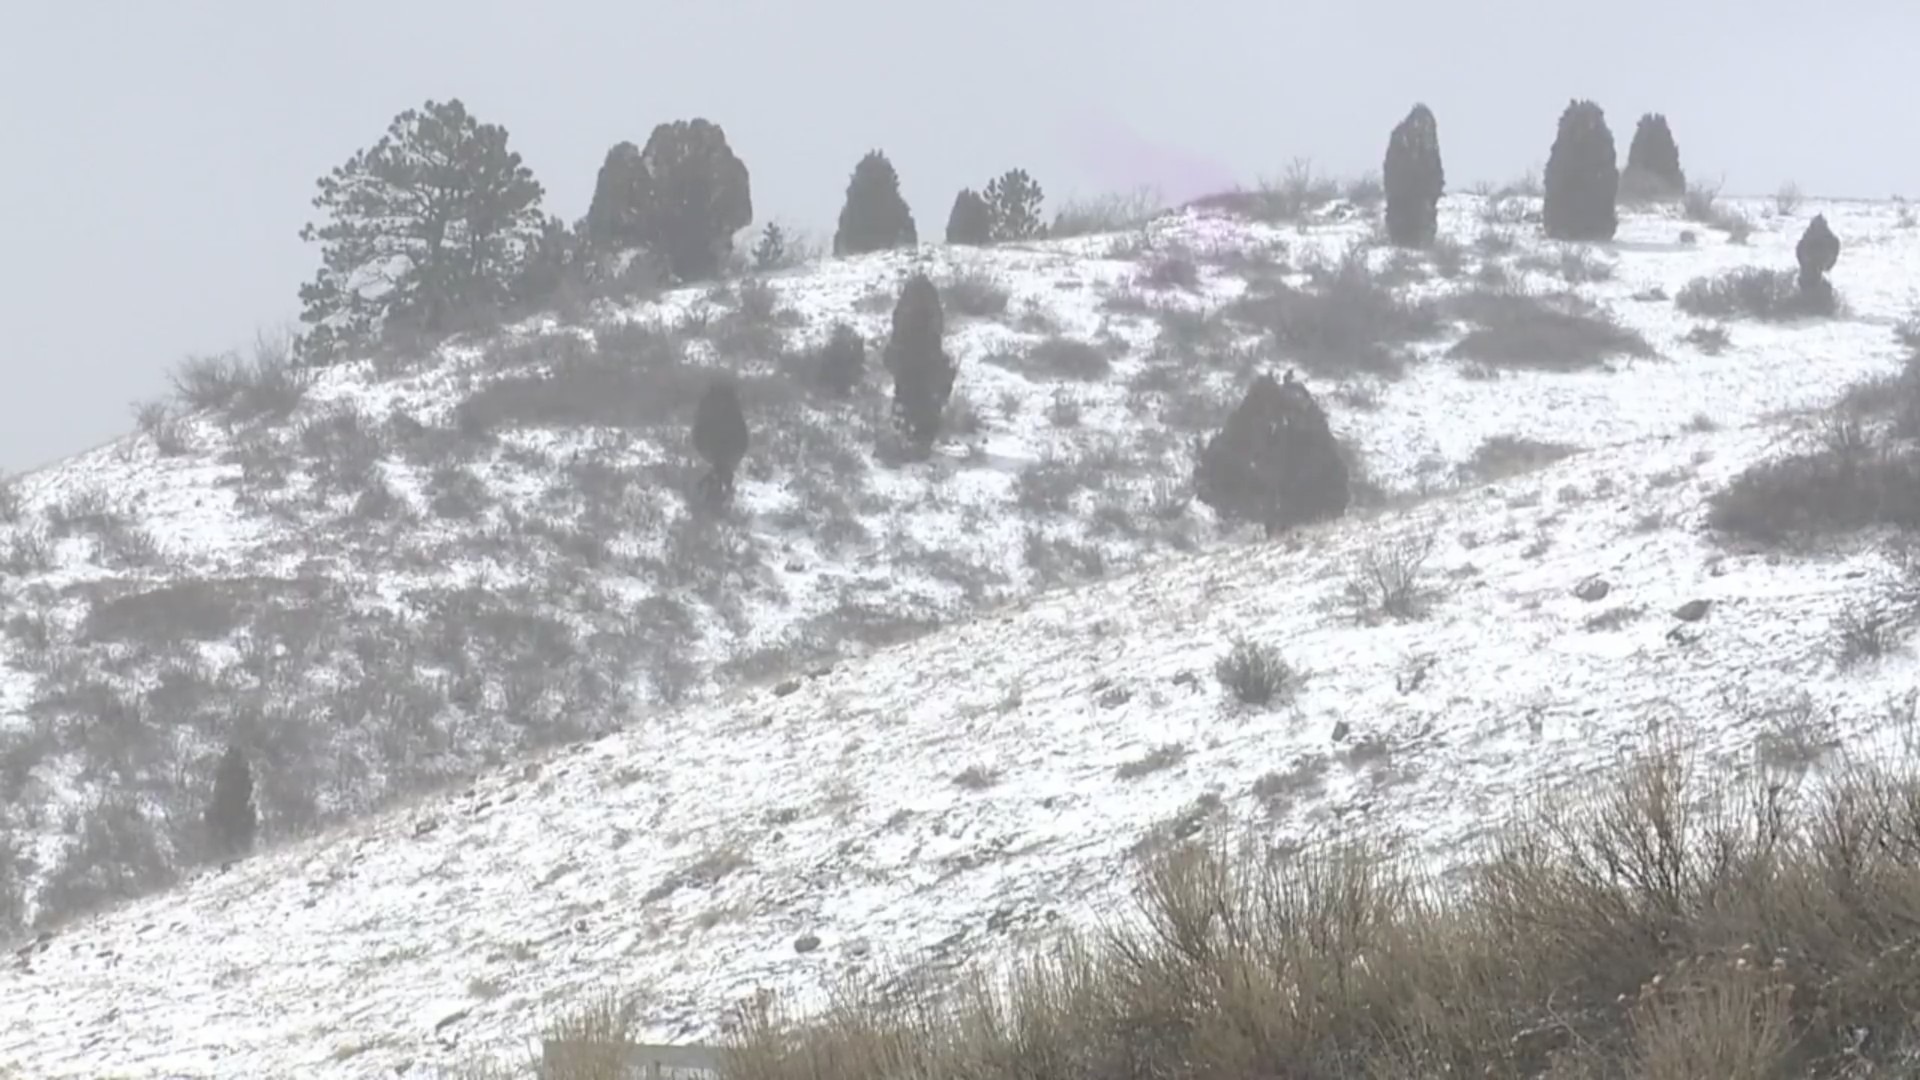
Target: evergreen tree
720 436
843 359
682 196
231 819
916 356
432 221
1582 180
1275 462
1014 200
1654 154
971 221
874 217
771 252
1414 179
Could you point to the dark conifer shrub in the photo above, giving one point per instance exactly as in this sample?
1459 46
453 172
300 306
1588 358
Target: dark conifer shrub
720 437
1414 179
843 360
1582 180
971 221
1653 158
874 217
916 356
1275 462
231 818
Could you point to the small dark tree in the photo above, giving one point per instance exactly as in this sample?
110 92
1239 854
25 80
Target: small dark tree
1582 180
1653 155
620 189
971 221
1275 462
771 252
231 819
720 436
1014 200
429 223
682 196
1817 252
874 217
916 356
843 359
1414 179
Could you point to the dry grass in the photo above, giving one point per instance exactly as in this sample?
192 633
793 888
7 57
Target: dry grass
1752 292
1652 927
1514 329
1115 212
1851 478
1349 323
264 385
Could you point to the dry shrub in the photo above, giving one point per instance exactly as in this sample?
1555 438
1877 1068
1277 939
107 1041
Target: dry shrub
1652 926
1563 333
1755 292
1350 323
1118 212
1848 480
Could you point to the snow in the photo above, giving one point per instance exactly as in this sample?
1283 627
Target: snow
680 856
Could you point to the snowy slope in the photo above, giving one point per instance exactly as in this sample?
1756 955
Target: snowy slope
681 856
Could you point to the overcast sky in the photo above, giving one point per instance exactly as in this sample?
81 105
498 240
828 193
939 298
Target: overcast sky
160 157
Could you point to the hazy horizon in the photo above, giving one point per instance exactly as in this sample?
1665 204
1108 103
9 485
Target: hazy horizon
166 159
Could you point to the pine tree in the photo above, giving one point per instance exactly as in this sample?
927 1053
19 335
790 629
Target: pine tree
1014 201
682 196
231 819
720 436
1582 180
1414 179
771 252
432 221
874 217
916 356
971 221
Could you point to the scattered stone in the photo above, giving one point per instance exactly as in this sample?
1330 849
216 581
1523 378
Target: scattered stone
1692 610
786 687
806 943
1592 589
425 826
1114 696
1341 730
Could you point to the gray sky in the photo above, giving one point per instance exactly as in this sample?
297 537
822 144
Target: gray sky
161 156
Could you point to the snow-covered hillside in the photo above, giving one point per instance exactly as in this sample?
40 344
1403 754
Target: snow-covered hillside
942 799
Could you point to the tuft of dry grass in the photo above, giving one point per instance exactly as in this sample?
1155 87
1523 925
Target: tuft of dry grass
1851 478
1110 213
974 294
1753 292
1349 323
1659 925
266 384
1513 329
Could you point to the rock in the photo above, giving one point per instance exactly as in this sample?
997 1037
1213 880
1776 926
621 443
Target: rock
1341 730
806 943
1592 589
1114 696
786 687
1692 610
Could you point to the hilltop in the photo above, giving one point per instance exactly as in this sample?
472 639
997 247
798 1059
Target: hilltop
615 740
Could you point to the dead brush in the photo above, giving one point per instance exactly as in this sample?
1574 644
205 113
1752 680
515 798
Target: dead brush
1387 578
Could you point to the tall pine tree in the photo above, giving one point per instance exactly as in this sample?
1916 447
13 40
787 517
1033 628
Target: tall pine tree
432 221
